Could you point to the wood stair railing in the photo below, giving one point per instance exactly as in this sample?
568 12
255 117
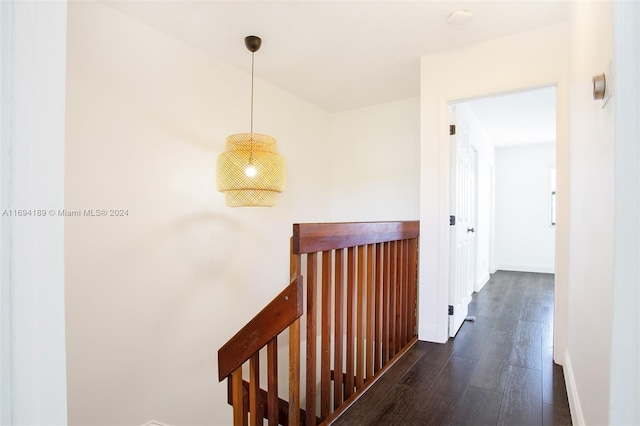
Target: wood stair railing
361 289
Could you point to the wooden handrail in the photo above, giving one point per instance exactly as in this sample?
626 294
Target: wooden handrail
284 309
360 289
315 237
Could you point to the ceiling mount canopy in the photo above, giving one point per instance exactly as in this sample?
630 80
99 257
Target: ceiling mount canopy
253 43
251 172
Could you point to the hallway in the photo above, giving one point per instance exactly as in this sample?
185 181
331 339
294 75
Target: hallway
498 370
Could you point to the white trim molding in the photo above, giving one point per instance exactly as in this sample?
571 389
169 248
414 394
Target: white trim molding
540 269
429 333
577 417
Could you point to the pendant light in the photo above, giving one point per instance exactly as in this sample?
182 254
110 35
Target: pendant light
250 172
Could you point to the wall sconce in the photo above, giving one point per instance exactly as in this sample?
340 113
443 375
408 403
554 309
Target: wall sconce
599 86
250 172
603 85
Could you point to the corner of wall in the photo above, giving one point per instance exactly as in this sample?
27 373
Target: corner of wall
481 283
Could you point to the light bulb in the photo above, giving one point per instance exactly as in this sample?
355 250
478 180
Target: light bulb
250 171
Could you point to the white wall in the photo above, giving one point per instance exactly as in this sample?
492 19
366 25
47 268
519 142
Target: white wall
32 348
375 172
480 140
525 239
592 214
527 60
625 336
604 340
152 296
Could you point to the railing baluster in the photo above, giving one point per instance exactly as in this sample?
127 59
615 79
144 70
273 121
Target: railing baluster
338 336
413 285
294 262
294 373
351 284
377 359
239 412
406 302
312 305
398 320
254 389
272 381
360 319
370 309
392 301
386 297
400 298
325 355
294 349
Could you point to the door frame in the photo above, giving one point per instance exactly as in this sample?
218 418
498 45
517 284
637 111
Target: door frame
537 59
562 164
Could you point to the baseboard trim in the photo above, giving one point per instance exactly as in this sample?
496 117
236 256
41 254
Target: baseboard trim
428 333
577 417
541 269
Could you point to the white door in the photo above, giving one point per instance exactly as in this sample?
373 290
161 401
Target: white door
462 235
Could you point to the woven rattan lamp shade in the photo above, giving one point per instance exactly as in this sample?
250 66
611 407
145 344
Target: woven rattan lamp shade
242 190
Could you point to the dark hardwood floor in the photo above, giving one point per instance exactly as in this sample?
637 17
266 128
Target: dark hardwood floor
497 370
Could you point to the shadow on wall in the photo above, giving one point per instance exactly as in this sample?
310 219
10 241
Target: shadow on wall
203 241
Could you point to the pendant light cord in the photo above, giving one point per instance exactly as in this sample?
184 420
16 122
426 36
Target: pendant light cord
251 126
252 64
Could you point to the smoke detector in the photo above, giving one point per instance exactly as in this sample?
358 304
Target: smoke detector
461 16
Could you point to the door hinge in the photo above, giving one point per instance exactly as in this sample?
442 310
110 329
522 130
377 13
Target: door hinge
450 310
452 220
452 129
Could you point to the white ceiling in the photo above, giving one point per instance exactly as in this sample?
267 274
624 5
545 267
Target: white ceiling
518 118
340 54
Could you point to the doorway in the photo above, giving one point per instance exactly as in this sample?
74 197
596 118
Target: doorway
513 223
